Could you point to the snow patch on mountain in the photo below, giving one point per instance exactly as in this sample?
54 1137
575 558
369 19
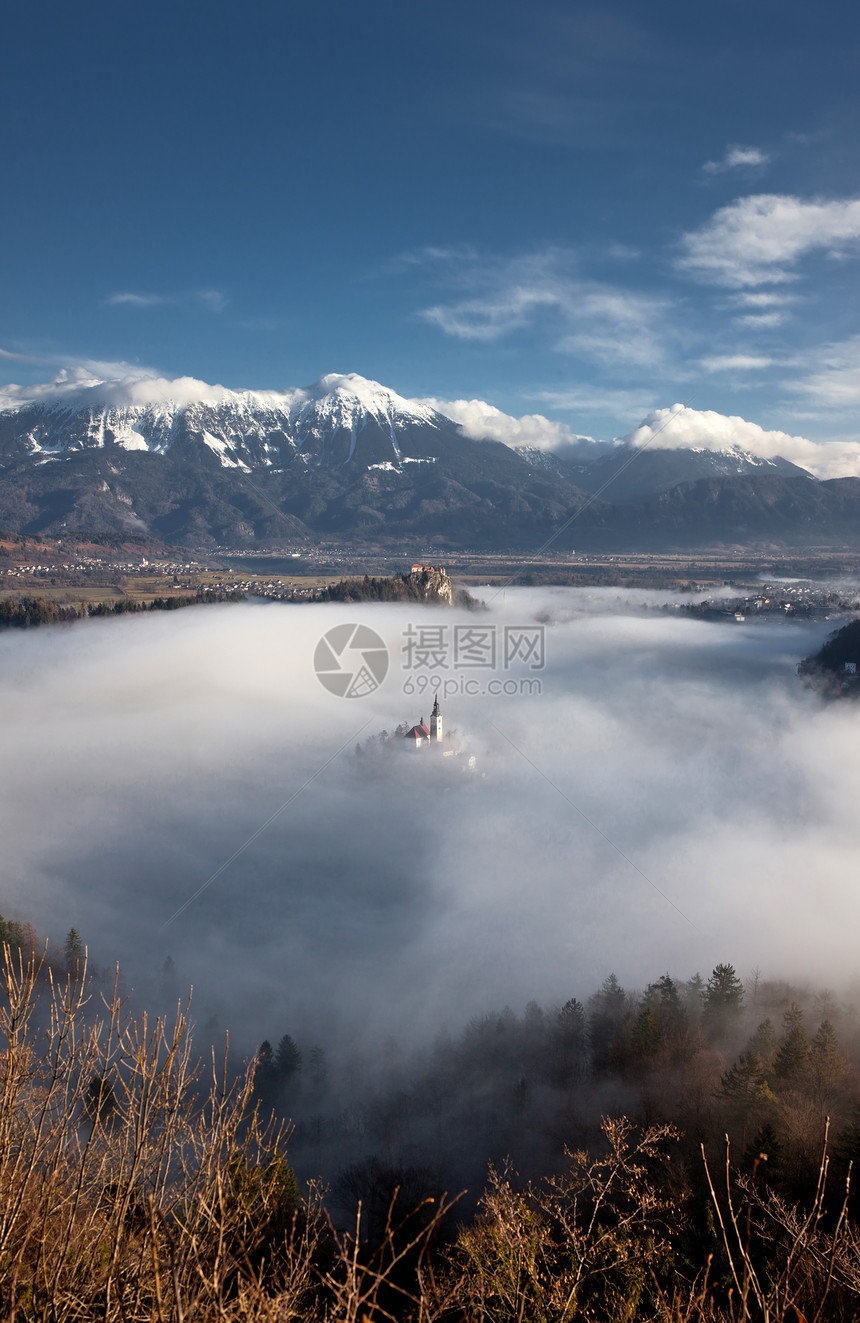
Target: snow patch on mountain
79 411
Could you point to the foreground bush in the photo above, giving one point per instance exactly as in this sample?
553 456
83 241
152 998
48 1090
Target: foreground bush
132 1190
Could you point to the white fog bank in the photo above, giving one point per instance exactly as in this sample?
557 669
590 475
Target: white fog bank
396 892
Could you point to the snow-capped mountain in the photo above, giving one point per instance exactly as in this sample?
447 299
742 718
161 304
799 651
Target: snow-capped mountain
337 420
623 473
349 458
190 462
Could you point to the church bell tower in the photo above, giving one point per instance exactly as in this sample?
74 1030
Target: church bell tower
436 722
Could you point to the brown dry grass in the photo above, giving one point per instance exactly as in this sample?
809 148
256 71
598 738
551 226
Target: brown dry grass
132 1188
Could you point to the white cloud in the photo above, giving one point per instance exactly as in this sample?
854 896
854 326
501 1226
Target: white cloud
121 384
761 321
759 239
434 253
762 298
481 420
69 381
834 381
491 317
589 399
127 298
211 299
19 358
603 323
679 427
616 326
737 158
736 363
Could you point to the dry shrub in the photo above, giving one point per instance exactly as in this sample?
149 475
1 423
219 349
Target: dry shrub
129 1190
787 1263
580 1245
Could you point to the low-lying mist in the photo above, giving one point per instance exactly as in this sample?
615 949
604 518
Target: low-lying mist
672 798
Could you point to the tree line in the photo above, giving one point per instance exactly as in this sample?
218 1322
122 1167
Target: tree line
27 612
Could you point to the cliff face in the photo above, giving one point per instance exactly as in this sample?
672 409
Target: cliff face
432 585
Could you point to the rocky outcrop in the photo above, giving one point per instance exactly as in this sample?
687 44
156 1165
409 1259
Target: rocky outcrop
430 583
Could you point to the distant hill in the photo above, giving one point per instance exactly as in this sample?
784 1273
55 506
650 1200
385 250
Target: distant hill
628 474
835 669
841 648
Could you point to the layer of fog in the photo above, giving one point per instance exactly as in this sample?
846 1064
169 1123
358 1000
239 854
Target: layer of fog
398 891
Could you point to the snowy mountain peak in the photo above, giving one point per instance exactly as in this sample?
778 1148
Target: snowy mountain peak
348 397
323 423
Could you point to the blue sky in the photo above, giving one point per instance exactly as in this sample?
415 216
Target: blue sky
587 211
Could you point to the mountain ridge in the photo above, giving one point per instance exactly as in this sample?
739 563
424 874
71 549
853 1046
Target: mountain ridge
347 457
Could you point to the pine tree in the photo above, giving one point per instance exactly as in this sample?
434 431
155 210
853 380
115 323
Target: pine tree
827 1066
645 1039
792 1057
608 1011
265 1075
288 1058
764 1043
570 1024
694 998
722 1001
664 1000
568 1041
73 951
742 1080
765 1148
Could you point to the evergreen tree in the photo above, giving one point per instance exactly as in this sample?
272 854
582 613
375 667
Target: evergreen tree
608 1011
827 1066
663 996
11 933
764 1043
792 1056
568 1044
745 1088
265 1075
73 951
664 999
722 1000
694 998
765 1154
645 1039
288 1059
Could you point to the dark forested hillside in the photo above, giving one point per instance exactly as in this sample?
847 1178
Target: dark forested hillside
766 1063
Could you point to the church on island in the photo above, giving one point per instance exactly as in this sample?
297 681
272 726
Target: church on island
419 735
